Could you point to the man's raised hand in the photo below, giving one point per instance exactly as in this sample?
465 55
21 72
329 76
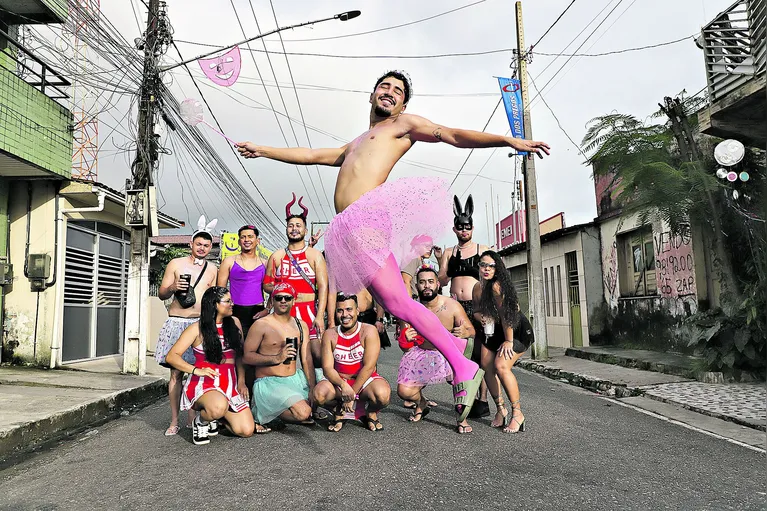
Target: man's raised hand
531 146
247 149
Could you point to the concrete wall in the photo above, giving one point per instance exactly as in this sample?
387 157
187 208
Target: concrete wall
30 316
20 305
4 191
676 267
553 255
592 265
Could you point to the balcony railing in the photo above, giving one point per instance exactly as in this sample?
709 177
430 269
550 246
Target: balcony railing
35 71
734 47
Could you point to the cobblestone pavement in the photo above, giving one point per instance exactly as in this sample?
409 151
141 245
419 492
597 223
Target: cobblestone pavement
743 403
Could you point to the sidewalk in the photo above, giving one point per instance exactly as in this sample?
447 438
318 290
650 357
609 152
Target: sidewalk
38 406
670 395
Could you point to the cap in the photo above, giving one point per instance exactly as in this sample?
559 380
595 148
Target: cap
285 288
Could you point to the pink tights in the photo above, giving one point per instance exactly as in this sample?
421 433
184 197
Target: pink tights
389 289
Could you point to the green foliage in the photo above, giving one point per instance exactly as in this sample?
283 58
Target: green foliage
731 343
654 180
166 256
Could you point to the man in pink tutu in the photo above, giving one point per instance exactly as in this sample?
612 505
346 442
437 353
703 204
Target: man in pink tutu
422 364
381 226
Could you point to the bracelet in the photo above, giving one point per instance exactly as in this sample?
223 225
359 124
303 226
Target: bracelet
193 371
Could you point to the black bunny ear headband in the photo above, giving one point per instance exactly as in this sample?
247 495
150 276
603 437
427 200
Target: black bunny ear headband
463 215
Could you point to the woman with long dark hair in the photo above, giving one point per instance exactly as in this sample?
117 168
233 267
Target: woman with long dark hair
216 387
496 306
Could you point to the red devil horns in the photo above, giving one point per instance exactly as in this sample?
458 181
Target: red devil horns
290 204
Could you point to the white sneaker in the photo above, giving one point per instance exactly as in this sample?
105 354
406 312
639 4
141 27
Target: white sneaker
200 432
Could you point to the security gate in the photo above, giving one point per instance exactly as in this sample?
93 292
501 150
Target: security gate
95 288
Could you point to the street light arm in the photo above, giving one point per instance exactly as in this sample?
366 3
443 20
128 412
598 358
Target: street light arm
344 16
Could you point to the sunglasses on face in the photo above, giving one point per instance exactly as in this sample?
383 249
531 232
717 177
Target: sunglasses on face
283 298
226 301
464 227
483 264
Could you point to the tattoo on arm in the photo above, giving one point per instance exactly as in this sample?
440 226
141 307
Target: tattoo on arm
438 133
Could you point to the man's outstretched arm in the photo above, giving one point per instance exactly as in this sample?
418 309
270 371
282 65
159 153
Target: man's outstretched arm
332 157
423 130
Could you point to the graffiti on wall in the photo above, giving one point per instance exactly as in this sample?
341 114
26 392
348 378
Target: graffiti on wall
674 263
611 276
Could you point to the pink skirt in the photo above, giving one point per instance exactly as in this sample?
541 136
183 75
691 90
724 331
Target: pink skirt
401 218
419 368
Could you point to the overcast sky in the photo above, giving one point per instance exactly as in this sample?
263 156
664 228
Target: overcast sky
455 91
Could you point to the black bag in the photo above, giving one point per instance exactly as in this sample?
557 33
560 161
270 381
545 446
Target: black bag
189 299
524 333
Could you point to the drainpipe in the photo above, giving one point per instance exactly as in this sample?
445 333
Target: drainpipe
56 340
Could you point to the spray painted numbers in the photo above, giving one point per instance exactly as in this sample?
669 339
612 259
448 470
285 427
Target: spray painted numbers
674 264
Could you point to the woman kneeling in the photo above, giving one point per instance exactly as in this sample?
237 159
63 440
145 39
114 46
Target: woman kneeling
216 387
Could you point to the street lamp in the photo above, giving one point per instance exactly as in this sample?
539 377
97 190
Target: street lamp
344 16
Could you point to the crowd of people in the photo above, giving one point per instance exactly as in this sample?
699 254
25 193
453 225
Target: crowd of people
299 335
257 334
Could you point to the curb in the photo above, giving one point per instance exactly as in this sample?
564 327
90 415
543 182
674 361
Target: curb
716 415
604 387
37 434
633 363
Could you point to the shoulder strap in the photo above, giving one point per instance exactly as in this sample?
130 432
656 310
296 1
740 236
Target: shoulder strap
300 330
199 277
300 270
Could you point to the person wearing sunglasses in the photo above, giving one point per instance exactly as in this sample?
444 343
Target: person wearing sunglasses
278 346
496 307
216 386
459 267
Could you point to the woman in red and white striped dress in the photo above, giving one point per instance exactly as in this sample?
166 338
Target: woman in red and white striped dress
216 385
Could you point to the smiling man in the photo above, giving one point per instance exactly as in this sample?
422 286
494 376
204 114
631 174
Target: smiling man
303 267
380 225
278 347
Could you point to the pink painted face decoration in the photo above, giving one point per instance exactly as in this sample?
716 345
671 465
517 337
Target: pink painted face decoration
224 69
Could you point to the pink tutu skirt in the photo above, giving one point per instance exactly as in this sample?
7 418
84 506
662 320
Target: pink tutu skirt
401 218
420 367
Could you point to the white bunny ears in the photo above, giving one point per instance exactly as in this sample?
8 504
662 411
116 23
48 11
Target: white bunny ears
205 229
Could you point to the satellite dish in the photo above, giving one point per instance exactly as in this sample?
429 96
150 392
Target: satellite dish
729 153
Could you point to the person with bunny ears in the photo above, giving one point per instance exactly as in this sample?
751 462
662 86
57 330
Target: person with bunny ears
185 280
459 267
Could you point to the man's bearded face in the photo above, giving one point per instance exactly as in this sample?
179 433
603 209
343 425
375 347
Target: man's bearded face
296 229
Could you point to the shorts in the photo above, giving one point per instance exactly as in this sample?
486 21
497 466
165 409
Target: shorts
171 330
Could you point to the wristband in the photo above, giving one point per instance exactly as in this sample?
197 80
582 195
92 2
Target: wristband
193 371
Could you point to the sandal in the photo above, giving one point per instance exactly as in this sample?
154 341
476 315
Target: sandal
463 430
500 406
520 425
421 415
470 388
335 424
172 430
320 415
412 405
263 429
367 421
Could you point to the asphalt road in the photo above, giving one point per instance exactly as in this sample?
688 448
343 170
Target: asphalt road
579 452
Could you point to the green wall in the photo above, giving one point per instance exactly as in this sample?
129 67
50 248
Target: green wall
34 127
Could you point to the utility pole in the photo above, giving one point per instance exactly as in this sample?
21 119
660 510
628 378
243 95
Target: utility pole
534 259
139 197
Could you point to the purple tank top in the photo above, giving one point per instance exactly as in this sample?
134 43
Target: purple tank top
247 286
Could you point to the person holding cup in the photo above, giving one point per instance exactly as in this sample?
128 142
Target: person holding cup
185 280
496 307
278 346
216 385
